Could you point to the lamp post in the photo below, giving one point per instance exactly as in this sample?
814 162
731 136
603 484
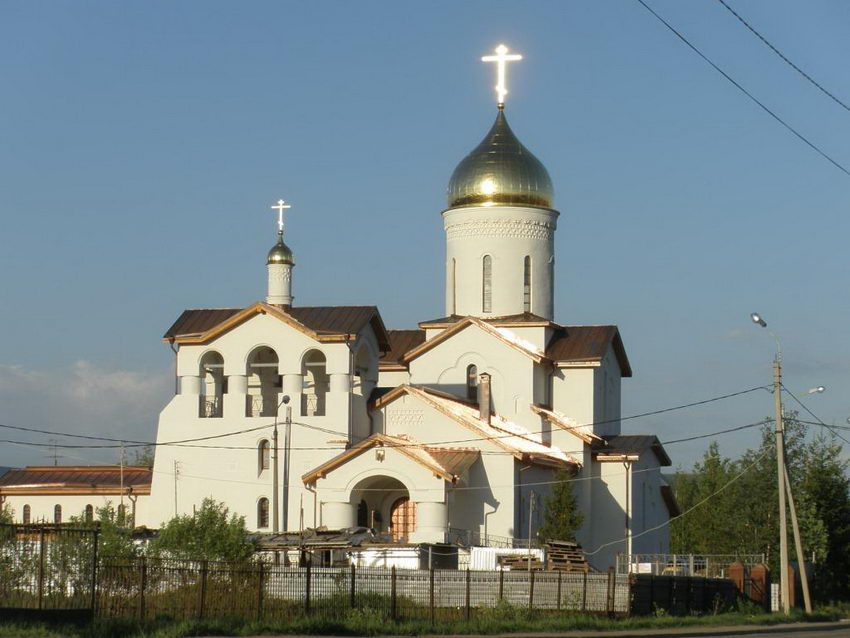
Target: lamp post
275 475
784 484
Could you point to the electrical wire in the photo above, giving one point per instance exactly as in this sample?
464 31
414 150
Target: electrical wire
814 416
784 57
687 511
761 104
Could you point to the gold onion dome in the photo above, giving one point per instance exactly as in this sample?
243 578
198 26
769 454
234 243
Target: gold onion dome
500 171
280 253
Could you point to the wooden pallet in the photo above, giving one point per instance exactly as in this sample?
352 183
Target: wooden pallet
521 563
565 556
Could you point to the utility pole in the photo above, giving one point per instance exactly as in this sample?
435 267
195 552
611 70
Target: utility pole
121 497
798 546
286 447
176 474
530 512
785 592
275 496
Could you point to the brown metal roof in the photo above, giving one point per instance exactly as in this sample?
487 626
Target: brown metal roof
587 343
524 317
455 460
400 342
324 320
637 443
76 478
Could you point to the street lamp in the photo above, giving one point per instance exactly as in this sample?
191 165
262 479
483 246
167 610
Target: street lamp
784 484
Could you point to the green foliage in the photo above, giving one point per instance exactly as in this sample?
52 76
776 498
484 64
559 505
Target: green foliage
210 533
144 456
743 518
6 514
115 540
561 515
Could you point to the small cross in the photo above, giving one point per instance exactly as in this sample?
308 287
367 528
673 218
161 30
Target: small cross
501 59
280 207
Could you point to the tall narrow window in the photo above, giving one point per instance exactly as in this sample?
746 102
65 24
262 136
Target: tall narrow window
453 283
263 512
57 514
89 514
27 515
526 284
487 284
472 383
263 454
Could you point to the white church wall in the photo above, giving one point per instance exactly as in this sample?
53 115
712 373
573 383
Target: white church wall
533 488
42 506
444 367
393 378
572 395
608 514
649 508
606 393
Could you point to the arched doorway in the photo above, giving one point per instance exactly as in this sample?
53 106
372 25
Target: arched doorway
374 498
402 519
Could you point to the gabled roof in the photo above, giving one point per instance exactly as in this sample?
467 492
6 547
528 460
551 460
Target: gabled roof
448 464
514 439
503 334
583 432
76 479
633 444
322 323
527 319
400 342
587 344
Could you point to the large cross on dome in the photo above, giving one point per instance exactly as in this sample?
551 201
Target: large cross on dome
280 207
501 59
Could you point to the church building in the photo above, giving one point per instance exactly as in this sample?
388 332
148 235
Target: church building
300 417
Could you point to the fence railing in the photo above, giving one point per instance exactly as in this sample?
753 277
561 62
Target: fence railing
474 538
700 565
147 588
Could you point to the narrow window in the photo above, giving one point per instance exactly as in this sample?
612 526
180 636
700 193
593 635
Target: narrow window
263 512
453 276
472 383
57 514
264 455
526 284
27 515
487 286
89 515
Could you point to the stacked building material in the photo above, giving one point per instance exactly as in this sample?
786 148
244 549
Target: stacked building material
565 556
521 562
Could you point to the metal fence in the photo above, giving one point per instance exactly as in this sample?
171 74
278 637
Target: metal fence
147 588
47 567
699 565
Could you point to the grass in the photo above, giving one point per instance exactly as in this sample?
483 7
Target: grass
368 621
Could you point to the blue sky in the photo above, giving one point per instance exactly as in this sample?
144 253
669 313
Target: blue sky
142 144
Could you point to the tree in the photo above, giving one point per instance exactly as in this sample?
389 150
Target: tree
561 516
143 456
6 513
210 533
115 533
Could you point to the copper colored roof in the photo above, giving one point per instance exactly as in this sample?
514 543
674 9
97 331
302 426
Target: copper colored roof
455 460
400 342
507 320
576 344
322 320
79 479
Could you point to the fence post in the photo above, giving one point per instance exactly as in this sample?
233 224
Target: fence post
353 591
559 590
501 585
41 569
203 601
260 591
531 590
584 592
431 595
612 582
94 573
392 593
143 583
468 609
307 588
671 600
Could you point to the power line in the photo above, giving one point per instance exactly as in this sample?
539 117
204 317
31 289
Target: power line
772 114
705 436
687 511
814 416
784 58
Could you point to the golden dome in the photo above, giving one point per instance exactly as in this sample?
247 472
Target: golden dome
280 253
500 171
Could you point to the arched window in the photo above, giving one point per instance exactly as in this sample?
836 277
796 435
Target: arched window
263 455
472 382
57 514
264 383
315 375
487 284
263 512
453 284
526 284
89 514
212 385
27 515
403 519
